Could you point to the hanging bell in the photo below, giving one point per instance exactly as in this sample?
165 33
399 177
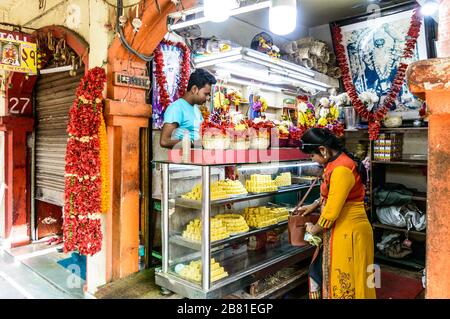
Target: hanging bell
137 24
123 20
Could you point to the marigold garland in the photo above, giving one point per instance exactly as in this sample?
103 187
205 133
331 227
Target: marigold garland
85 179
374 118
104 162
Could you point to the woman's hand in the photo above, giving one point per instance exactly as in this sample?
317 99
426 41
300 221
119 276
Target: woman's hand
306 210
313 229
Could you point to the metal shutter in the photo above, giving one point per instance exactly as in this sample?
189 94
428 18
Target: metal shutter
55 94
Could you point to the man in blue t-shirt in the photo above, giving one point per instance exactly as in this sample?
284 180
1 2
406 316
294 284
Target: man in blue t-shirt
184 114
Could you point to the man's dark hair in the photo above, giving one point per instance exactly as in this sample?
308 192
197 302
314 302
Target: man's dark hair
200 78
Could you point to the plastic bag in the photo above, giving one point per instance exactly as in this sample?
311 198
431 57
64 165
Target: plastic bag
391 194
406 216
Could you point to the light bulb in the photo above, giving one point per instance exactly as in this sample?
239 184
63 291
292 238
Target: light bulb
283 16
430 7
218 10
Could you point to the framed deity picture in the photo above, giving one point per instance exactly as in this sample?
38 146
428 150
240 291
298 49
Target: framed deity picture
374 44
167 78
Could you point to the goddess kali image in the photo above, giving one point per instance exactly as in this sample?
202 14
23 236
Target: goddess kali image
374 54
10 54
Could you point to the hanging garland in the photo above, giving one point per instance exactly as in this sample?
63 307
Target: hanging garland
374 118
86 173
161 77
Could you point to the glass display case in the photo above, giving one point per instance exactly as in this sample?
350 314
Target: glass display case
225 226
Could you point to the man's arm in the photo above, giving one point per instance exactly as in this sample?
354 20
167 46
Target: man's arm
166 135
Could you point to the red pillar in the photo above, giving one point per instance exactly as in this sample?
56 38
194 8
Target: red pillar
17 199
430 79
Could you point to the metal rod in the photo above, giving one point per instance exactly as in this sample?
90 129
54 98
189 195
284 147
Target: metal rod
206 235
56 70
165 217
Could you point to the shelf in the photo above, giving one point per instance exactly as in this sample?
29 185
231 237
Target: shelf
391 129
197 204
201 157
420 197
263 261
403 162
397 229
180 240
293 75
403 129
410 262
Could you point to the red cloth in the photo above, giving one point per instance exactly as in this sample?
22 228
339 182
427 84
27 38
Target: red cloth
395 286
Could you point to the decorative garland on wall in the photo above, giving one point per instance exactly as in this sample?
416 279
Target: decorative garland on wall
375 117
86 172
161 77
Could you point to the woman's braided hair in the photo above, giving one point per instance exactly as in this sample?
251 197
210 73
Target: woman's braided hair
324 137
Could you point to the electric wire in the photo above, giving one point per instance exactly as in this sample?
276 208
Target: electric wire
122 37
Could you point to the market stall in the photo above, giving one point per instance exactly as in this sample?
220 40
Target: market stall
218 243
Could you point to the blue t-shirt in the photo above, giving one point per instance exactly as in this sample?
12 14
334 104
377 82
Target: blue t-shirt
187 116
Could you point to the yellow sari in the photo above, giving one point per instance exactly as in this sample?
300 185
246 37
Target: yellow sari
348 248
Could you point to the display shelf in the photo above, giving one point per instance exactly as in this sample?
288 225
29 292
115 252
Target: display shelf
410 262
408 162
211 158
397 229
391 129
268 260
180 240
187 203
404 129
420 197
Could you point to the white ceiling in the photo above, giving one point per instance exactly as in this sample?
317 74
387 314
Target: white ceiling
7 4
311 13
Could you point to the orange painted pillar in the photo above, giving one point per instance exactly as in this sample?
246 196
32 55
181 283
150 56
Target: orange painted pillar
430 79
125 121
126 114
17 209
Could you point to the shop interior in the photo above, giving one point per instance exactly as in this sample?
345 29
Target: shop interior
284 75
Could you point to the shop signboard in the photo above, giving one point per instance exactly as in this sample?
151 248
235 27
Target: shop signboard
140 82
17 53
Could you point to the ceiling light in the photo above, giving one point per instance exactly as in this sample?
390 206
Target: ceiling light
430 7
283 16
249 83
218 10
235 10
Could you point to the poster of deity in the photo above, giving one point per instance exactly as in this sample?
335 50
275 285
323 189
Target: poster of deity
374 48
173 58
10 53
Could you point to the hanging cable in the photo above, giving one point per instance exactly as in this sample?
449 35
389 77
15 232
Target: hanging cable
122 37
123 7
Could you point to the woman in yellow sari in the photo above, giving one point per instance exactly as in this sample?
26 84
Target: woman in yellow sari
343 266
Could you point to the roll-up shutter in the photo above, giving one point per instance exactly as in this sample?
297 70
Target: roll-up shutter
55 94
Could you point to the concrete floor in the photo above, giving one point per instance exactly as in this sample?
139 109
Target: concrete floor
32 272
17 281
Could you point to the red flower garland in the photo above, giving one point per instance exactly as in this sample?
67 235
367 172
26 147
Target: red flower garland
374 118
83 184
161 77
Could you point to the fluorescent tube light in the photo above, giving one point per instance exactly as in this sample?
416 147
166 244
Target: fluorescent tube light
244 9
217 61
261 86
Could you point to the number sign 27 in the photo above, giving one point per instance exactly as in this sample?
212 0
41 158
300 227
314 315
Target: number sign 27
18 105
